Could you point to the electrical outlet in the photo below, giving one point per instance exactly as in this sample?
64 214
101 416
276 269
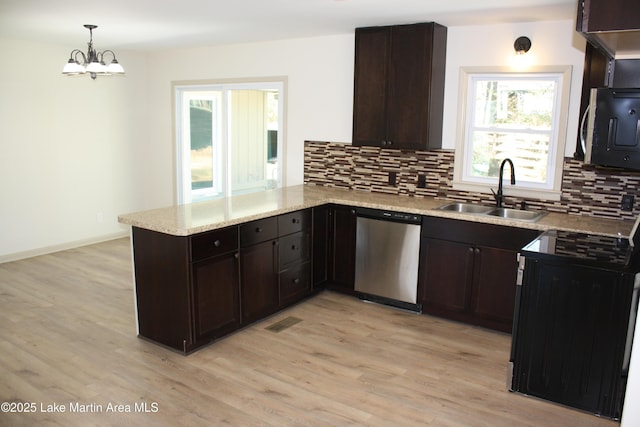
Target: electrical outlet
393 178
422 181
627 202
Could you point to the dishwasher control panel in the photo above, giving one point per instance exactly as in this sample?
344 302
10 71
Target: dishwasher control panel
389 215
401 216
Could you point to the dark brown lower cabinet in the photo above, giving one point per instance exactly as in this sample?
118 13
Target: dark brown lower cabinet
216 285
342 263
294 253
187 287
259 280
320 240
192 290
468 270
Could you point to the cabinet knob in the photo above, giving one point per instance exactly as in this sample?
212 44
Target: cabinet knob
217 243
296 281
293 247
470 250
236 255
477 251
295 221
258 230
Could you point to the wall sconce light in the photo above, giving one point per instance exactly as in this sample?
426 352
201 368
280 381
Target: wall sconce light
522 45
92 62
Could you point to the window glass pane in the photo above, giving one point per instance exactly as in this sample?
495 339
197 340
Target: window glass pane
253 121
201 131
512 117
228 139
529 152
516 103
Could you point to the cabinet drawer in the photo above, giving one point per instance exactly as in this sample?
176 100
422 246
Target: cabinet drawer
295 283
216 242
294 222
294 248
258 231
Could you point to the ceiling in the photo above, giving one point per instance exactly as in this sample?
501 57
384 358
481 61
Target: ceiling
148 25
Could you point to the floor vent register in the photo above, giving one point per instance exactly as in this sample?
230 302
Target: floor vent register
283 324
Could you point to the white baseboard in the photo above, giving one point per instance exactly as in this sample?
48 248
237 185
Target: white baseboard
62 247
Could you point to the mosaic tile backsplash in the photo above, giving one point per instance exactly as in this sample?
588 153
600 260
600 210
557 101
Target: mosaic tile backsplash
586 189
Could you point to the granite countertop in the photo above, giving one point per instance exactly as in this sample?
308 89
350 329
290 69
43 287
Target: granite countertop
185 220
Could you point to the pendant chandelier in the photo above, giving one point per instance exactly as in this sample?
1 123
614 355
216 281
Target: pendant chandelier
92 62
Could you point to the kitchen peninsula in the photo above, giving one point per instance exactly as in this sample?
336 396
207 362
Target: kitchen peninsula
206 269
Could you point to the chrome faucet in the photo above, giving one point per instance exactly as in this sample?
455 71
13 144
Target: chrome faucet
499 196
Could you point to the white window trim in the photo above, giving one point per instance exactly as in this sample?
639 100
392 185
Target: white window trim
557 157
181 195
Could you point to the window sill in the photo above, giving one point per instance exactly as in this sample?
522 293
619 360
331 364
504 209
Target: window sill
508 191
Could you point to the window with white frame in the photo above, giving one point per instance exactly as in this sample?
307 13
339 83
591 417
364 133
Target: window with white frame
229 138
515 115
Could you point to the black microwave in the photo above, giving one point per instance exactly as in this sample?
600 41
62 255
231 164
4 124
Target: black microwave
613 128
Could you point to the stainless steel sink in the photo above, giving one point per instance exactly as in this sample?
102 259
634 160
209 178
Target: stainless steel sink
517 214
506 213
465 208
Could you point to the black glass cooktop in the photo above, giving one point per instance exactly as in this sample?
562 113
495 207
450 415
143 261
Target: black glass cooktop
587 247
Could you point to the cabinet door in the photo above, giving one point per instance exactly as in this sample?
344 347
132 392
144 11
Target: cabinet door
446 275
416 87
216 291
259 285
370 85
399 86
343 259
494 287
608 15
571 335
320 243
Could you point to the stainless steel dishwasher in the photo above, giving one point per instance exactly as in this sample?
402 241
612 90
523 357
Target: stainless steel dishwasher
387 257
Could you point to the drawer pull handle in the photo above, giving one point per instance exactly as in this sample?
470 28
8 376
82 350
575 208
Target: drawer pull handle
258 230
217 243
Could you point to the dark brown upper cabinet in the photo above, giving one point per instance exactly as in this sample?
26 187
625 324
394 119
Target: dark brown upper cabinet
611 25
399 86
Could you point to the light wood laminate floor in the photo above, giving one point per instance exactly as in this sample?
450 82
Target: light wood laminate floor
68 338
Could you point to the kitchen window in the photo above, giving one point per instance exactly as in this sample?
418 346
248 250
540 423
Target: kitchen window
229 138
516 115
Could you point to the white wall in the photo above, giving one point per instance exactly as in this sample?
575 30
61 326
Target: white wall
67 149
73 147
320 90
552 43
